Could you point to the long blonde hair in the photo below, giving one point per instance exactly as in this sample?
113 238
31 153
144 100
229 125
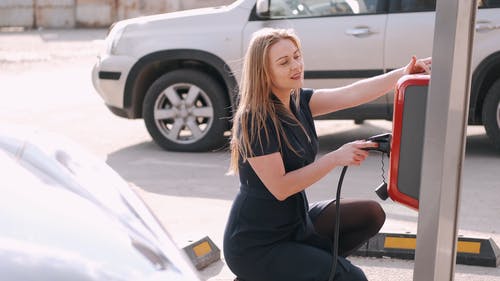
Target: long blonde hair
255 104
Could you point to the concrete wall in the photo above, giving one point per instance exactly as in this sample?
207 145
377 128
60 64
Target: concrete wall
88 13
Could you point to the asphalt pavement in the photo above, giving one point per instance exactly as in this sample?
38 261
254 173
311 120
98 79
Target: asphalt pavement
45 82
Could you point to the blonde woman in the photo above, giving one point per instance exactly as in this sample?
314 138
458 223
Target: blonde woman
273 234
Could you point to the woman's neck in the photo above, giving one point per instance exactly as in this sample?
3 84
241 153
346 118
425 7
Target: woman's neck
283 96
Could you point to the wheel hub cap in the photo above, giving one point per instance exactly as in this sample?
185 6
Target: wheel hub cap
183 113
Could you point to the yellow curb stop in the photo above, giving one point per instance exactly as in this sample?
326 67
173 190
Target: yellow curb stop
470 251
202 253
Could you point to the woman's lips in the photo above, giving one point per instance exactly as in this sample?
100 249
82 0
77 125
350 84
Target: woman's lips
297 76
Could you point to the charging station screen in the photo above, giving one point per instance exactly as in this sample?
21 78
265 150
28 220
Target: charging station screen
412 140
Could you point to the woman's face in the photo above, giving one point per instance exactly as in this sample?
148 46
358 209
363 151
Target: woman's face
286 67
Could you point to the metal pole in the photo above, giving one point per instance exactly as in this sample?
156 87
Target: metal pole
444 140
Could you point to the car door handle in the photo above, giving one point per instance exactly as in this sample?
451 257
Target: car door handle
484 26
359 31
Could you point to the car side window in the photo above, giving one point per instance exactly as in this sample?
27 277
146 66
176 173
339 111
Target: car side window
398 6
318 8
403 6
489 3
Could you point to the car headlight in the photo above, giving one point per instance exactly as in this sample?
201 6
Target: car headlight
113 38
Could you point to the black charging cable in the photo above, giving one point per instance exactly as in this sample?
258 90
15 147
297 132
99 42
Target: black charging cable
383 141
337 226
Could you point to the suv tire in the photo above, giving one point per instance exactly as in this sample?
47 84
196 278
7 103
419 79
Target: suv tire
186 110
491 114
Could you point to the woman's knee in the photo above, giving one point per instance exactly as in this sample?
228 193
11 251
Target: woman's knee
376 214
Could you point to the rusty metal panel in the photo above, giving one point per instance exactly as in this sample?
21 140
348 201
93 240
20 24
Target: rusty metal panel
154 7
128 9
88 13
55 13
134 8
95 13
192 4
16 13
55 3
15 3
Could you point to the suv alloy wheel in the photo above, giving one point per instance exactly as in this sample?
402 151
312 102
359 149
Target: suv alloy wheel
185 110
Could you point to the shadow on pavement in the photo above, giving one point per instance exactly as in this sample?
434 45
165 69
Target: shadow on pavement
155 170
480 145
204 174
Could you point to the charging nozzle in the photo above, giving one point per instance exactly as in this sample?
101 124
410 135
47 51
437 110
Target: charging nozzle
383 141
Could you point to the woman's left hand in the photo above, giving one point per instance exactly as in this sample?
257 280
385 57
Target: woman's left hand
416 66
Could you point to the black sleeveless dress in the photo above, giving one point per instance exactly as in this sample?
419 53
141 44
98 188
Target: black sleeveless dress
271 240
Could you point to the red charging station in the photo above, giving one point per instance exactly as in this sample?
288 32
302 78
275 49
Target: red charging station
410 99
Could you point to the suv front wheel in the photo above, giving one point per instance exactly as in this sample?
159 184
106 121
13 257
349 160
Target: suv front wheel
491 114
185 110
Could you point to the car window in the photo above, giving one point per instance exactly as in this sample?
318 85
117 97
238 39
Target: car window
489 3
317 8
396 6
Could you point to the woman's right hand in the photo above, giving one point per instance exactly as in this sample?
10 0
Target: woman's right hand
351 153
416 66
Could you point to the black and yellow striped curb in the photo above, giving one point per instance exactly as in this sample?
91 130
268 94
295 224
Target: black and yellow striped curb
202 253
470 251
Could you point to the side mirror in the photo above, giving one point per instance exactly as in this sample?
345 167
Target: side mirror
262 8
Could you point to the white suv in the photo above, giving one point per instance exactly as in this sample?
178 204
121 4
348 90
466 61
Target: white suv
180 71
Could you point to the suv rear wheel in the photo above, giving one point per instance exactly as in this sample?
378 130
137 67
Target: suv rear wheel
184 110
491 114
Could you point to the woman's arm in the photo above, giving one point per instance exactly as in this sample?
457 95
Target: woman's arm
271 170
329 100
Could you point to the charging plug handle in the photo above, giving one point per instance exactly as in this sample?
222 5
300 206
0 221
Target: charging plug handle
383 141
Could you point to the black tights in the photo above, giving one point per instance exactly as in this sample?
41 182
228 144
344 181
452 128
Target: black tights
359 221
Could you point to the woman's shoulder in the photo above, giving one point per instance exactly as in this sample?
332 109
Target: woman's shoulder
306 94
262 134
305 98
257 125
307 91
